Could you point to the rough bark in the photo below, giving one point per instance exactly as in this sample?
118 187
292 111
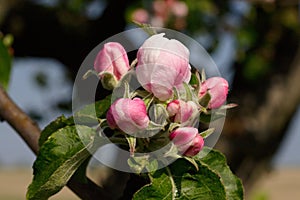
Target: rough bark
19 120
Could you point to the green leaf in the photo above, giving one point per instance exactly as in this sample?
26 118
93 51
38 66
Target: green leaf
159 188
91 113
5 65
59 123
216 162
213 180
182 181
192 161
58 159
192 184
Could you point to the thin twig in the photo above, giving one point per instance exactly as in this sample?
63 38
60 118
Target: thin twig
30 133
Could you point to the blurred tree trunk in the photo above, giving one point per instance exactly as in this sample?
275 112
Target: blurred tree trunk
253 133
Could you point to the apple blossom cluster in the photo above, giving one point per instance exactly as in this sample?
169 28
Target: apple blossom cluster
171 98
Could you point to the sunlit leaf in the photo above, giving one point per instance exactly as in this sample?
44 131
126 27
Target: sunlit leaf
216 162
91 113
182 181
60 122
58 159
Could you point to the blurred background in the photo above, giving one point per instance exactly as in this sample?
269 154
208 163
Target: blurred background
255 44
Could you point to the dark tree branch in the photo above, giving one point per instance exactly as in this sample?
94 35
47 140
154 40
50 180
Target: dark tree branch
88 190
19 120
30 133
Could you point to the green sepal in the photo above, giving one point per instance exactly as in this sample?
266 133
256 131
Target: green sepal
89 73
204 100
207 132
212 115
131 143
146 27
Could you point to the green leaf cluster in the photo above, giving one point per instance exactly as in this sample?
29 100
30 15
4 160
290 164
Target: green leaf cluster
65 151
58 159
65 148
213 180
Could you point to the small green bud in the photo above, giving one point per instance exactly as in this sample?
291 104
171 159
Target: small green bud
108 80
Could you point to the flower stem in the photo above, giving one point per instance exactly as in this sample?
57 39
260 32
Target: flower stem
174 190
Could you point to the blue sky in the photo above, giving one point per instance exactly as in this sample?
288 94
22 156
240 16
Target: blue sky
31 97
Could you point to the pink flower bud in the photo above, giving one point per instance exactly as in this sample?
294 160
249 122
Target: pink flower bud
217 87
180 9
173 107
128 115
187 140
162 65
181 110
140 15
196 146
112 59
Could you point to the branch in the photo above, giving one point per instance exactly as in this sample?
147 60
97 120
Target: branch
30 133
19 120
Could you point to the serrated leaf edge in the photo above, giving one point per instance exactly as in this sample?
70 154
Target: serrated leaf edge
236 179
84 153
